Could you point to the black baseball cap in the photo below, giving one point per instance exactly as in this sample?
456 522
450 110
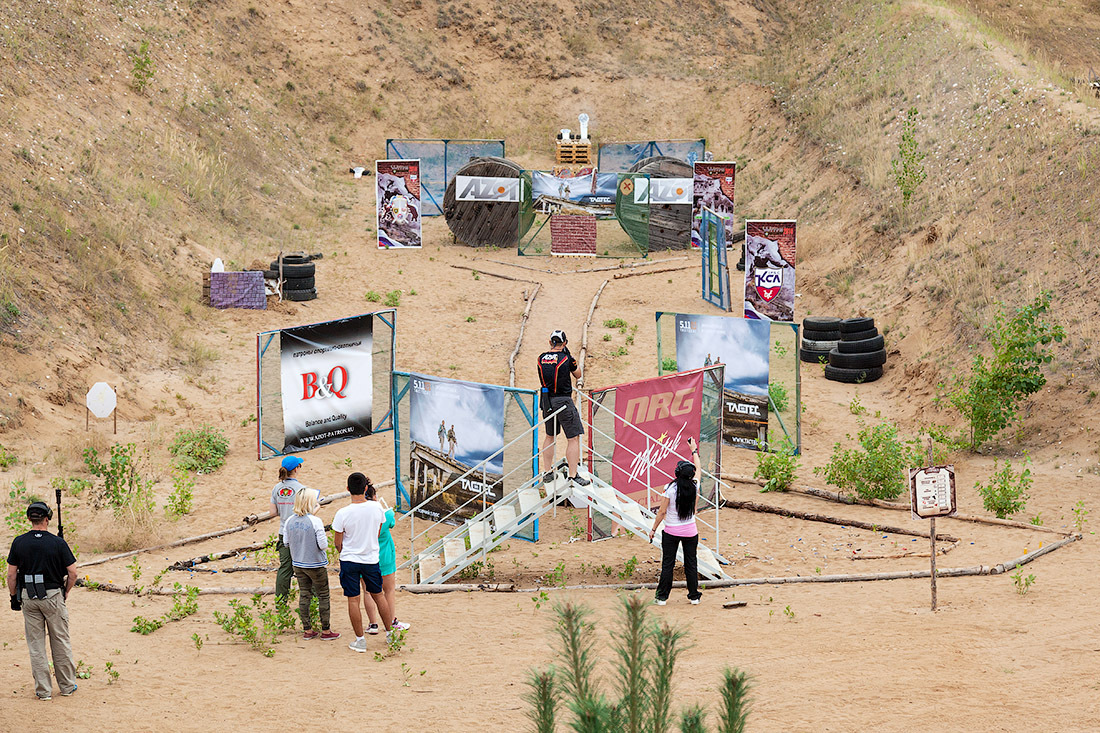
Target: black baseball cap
39 510
684 469
558 337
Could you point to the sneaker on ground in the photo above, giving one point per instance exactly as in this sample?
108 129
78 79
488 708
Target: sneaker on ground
359 645
372 629
659 602
400 625
695 601
313 634
330 635
66 694
44 697
580 481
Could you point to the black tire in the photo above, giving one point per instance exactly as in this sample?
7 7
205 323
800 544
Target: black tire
852 376
811 356
295 259
821 323
306 269
825 346
851 325
300 295
857 361
299 283
271 274
861 347
812 334
870 333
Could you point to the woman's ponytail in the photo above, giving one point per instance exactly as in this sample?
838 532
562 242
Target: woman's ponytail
283 474
685 495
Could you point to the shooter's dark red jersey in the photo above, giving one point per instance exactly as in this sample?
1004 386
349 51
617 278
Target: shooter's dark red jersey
554 370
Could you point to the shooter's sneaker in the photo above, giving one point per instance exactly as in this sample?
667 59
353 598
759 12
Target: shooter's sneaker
401 625
66 694
313 634
659 602
359 645
44 697
372 629
548 477
580 481
330 635
695 601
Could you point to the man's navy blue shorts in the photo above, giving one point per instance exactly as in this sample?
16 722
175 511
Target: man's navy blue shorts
352 572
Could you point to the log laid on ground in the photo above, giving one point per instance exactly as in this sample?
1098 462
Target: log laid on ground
584 332
493 274
621 275
794 514
941 550
420 588
528 267
132 590
741 479
733 604
212 556
1004 567
519 340
628 265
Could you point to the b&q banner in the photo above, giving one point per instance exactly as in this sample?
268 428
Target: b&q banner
398 203
713 189
769 270
742 346
667 409
327 387
485 188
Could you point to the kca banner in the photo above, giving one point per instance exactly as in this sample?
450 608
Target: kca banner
742 346
769 270
455 426
713 189
327 385
398 203
667 409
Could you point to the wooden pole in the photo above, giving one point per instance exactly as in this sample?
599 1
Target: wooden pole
794 514
932 539
115 415
584 333
621 275
519 341
493 274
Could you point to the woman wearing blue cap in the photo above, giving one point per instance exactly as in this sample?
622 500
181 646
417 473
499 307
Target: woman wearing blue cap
282 503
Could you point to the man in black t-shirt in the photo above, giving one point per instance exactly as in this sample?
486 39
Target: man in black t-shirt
41 572
555 368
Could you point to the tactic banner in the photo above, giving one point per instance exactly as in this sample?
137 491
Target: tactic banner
742 346
769 270
327 384
456 430
713 189
653 420
398 203
586 187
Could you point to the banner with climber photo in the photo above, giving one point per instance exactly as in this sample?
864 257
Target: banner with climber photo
454 427
326 382
769 270
398 203
653 420
713 189
742 346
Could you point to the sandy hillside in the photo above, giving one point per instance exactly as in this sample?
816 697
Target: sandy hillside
114 199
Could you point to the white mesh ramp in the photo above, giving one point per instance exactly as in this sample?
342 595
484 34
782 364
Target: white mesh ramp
478 531
529 498
453 549
503 515
429 566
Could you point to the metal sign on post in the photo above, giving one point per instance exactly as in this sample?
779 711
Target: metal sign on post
101 402
931 495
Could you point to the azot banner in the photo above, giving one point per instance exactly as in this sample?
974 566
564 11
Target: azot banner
653 420
742 346
455 426
713 188
398 203
487 188
663 190
769 270
326 380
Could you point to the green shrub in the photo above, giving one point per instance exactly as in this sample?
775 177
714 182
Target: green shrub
202 450
614 323
1006 492
182 497
373 296
668 364
778 398
907 169
124 490
877 469
778 468
990 396
143 69
7 459
645 655
393 298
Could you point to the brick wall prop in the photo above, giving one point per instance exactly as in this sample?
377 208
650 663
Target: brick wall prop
573 234
237 290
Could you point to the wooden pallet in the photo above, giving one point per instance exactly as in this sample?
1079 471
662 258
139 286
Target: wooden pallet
574 153
206 288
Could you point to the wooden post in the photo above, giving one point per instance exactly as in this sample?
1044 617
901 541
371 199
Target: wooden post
114 414
932 539
87 419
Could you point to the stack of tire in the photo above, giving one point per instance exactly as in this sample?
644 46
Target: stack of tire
859 355
298 273
820 335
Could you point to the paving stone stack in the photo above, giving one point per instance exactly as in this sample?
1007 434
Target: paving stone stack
860 353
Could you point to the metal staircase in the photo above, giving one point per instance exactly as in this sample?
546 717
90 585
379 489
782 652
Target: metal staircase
476 537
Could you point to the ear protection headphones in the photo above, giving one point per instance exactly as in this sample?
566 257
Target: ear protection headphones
685 469
38 510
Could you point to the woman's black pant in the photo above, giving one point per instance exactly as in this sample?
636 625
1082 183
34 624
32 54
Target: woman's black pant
669 544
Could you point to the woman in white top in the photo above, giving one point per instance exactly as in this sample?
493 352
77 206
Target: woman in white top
678 512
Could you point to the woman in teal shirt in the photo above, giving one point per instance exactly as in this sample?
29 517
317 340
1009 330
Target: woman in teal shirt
387 564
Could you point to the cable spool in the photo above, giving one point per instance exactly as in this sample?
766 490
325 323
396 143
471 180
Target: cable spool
669 225
489 223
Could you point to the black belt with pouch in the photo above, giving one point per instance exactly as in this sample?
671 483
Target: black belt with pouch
35 586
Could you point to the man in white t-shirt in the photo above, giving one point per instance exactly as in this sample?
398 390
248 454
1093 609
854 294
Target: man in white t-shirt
357 527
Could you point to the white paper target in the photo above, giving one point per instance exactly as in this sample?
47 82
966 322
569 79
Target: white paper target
101 400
